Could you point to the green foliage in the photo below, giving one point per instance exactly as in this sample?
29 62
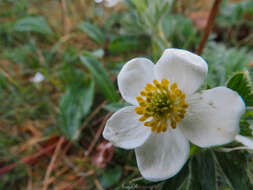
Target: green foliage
165 29
198 173
113 107
212 170
3 82
242 84
33 24
235 20
248 115
223 62
146 18
111 177
128 44
179 30
203 174
75 104
94 32
233 166
25 55
245 128
233 14
178 182
67 96
18 10
6 33
20 103
101 77
148 12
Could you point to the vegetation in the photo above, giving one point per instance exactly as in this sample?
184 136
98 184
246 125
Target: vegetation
50 129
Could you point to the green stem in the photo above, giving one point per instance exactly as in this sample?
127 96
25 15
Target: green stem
193 150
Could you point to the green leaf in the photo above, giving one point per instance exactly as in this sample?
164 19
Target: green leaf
199 173
3 81
249 101
33 24
180 31
233 14
241 83
202 168
177 182
125 44
141 5
111 177
245 128
93 32
101 77
234 167
248 115
115 106
223 62
75 104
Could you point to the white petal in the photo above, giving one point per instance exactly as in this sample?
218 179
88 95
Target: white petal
213 117
187 69
133 77
245 141
38 77
111 3
162 155
124 129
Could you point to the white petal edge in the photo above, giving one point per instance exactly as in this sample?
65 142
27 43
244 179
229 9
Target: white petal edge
213 117
111 3
187 69
133 77
245 141
163 155
123 129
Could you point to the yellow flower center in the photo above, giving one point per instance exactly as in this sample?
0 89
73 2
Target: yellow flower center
159 104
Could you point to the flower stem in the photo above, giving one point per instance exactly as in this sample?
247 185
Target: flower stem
194 149
209 25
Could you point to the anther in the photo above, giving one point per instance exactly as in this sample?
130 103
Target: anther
143 93
139 110
143 118
173 124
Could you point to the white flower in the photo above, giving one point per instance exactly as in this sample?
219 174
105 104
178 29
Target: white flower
108 3
166 115
38 77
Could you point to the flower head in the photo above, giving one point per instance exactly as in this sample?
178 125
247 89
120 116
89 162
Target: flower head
167 112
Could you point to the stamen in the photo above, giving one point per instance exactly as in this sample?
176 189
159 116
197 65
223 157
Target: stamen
160 104
173 124
143 93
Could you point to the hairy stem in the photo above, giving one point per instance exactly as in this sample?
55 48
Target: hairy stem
209 25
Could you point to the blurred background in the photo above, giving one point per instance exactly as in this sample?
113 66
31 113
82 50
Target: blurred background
59 60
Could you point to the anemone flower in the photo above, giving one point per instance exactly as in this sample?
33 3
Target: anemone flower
167 112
